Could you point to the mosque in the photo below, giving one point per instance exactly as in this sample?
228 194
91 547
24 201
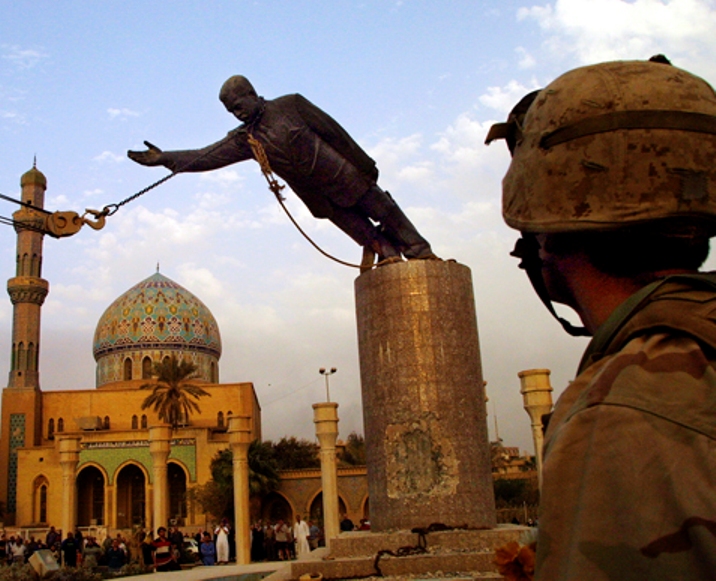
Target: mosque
93 457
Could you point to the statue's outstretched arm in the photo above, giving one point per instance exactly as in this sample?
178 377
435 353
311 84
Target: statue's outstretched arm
233 148
152 156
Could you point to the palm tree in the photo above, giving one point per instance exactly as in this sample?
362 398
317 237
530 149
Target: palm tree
174 394
263 469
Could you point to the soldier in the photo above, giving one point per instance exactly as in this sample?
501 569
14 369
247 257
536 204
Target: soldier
613 187
329 171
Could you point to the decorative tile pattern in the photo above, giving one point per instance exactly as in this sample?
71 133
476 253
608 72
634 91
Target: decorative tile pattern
152 318
17 440
112 455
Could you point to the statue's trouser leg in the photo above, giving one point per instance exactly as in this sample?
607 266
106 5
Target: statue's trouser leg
363 231
380 206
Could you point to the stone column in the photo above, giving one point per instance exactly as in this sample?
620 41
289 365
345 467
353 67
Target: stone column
537 397
240 440
325 417
160 438
424 414
69 447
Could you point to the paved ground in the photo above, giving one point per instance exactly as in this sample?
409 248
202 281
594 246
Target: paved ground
218 573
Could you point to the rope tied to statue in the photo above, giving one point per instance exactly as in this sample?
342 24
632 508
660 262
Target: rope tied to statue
260 155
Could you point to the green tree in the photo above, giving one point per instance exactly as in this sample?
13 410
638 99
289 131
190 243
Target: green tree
263 469
354 451
174 391
294 454
217 495
515 491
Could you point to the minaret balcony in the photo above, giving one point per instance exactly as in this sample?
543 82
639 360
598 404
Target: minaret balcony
27 289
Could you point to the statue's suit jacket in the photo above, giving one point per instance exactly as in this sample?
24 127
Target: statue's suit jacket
305 146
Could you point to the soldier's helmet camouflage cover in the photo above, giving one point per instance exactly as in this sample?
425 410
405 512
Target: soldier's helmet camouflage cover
613 145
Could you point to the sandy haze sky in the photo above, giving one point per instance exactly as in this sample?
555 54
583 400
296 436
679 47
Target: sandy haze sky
417 84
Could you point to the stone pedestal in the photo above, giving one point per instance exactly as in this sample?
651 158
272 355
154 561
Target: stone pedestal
69 458
537 397
240 440
325 417
423 397
160 437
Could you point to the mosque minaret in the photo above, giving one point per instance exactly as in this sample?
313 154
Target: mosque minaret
27 289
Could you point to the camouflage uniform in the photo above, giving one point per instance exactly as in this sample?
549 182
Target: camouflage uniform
630 451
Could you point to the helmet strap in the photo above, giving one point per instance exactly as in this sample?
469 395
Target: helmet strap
527 250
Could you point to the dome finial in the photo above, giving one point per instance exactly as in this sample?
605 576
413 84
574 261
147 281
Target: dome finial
157 266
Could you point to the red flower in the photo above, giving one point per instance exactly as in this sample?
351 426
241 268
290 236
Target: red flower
516 562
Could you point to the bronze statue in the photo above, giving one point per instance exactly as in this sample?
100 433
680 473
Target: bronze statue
307 148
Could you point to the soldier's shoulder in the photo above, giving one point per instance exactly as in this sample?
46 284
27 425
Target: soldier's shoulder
669 375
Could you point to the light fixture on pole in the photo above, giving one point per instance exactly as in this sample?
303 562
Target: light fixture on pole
326 373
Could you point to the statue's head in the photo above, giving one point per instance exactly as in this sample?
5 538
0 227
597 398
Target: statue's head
239 97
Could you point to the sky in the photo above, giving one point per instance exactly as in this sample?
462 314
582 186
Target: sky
416 83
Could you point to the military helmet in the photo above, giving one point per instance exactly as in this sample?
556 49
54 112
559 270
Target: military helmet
613 145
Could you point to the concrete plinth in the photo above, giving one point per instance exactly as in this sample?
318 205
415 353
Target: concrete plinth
160 443
69 458
423 397
537 396
240 440
325 416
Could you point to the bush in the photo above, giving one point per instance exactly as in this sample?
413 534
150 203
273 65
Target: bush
72 574
17 572
131 569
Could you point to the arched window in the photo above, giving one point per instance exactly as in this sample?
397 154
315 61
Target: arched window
106 422
31 359
147 368
135 422
60 425
166 360
144 422
51 429
43 503
214 376
39 504
220 419
127 369
21 356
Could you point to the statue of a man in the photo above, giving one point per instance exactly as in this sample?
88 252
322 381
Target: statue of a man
307 148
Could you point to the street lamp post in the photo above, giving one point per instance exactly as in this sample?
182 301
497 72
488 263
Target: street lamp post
326 373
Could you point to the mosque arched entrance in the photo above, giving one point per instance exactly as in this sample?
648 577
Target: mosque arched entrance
316 511
276 507
177 493
131 497
90 497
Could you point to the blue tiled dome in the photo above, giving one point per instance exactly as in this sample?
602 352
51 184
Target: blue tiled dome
154 318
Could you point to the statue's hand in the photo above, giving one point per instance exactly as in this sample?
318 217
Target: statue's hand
153 155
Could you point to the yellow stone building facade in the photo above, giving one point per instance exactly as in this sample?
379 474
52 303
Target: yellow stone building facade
94 457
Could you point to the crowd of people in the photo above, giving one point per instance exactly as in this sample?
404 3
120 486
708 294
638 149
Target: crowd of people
169 548
73 550
279 541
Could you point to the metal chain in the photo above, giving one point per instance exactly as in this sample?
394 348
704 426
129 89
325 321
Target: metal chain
260 155
111 209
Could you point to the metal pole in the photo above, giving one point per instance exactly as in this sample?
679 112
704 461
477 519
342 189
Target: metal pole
325 373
